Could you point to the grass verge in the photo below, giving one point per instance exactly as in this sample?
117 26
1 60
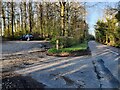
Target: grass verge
77 49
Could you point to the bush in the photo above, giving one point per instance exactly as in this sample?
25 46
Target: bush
53 41
47 39
117 44
91 37
64 42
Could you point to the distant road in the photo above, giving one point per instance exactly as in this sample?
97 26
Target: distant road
10 47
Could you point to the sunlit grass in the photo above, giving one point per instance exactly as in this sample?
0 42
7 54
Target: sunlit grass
77 47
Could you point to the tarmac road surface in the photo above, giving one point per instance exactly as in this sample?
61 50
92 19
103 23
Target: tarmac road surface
100 70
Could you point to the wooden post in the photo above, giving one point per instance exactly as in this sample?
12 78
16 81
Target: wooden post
57 44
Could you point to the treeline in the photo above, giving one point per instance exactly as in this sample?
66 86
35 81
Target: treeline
44 19
108 30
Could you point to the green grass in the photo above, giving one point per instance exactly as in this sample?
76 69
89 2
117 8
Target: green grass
78 47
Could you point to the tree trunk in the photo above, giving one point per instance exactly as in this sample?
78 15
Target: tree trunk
47 20
41 19
21 19
3 17
30 16
62 14
106 39
8 35
12 19
25 17
67 32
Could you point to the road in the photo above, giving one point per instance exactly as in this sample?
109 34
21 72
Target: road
100 70
20 47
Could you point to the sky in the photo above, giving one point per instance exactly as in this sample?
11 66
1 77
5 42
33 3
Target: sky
95 13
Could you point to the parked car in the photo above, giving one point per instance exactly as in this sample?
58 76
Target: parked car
27 37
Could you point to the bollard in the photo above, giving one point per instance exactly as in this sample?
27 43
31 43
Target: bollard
57 44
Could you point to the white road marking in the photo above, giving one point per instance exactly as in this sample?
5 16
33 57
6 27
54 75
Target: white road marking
113 52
